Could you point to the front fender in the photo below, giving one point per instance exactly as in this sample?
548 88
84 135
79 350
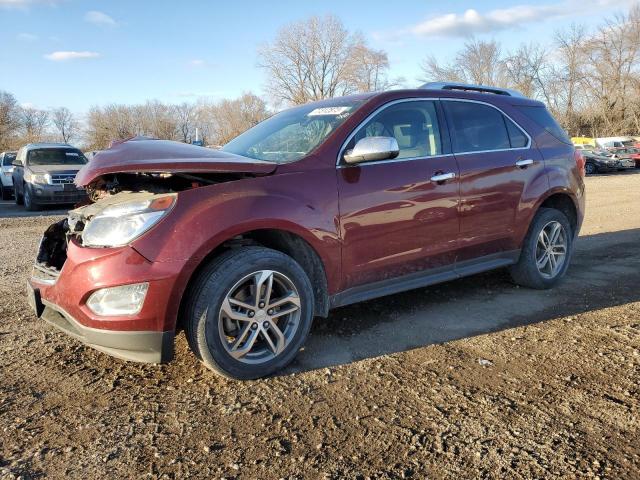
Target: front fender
301 203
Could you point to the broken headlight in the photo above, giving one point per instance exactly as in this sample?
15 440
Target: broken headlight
121 223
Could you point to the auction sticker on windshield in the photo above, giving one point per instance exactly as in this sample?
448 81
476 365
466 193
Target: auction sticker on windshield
328 111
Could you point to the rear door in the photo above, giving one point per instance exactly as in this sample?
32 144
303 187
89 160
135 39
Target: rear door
497 163
394 218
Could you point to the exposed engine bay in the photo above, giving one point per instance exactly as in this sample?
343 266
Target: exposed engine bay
142 196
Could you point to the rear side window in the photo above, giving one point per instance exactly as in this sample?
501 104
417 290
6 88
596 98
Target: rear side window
543 118
516 137
476 127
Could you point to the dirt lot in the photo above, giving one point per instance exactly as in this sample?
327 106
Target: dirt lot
475 378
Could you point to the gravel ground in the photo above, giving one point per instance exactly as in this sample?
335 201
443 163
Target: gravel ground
474 378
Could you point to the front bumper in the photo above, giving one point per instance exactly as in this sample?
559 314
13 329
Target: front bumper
57 194
59 297
147 347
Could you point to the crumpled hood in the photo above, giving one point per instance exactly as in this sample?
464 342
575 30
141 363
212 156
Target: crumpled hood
142 155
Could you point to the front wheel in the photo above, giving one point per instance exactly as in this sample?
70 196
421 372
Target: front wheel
590 168
29 204
546 251
249 312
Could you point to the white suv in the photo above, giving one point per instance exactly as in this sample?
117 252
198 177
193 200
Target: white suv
6 169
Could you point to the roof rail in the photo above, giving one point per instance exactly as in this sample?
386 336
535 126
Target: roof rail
471 88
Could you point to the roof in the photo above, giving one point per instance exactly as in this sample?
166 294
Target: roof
30 146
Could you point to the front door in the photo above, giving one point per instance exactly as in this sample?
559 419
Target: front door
394 219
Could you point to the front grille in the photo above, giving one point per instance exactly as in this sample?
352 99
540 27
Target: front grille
62 178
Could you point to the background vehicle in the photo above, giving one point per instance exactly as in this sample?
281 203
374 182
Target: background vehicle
6 168
630 156
584 142
322 205
44 174
598 161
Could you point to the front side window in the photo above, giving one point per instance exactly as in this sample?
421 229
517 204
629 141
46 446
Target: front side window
55 156
477 127
414 125
292 134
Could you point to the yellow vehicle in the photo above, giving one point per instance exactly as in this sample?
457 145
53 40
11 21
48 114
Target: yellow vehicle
584 141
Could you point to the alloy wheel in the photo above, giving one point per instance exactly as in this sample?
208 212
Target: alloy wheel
259 317
551 249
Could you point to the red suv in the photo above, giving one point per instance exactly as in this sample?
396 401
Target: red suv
320 206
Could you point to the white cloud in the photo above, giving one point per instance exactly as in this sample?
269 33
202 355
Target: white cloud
70 55
197 62
472 22
99 18
27 37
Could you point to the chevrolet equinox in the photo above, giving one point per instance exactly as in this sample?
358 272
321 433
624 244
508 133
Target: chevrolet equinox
320 206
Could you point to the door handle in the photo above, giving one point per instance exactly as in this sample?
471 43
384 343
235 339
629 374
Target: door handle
524 163
443 177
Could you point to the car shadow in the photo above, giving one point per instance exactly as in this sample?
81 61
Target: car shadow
605 272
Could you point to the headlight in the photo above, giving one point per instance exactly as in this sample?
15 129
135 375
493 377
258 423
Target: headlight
121 223
41 178
123 300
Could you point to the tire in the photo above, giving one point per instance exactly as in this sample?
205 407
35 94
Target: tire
29 204
590 168
526 272
208 328
17 197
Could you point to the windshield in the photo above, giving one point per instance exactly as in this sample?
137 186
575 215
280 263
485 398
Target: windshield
292 134
8 159
56 156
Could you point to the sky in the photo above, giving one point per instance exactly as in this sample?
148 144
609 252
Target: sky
79 53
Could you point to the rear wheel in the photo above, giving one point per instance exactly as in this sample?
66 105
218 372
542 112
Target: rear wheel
546 251
249 312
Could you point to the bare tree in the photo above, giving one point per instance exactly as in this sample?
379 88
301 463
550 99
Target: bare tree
185 115
65 122
318 58
527 70
227 119
9 120
478 62
613 84
34 124
367 69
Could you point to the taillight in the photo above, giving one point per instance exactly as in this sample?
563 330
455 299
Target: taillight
580 161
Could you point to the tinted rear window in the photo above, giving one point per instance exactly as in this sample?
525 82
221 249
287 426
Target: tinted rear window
8 159
476 127
543 118
56 156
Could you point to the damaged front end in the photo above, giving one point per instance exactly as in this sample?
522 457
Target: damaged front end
121 207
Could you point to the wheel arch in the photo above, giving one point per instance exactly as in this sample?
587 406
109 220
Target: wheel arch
564 201
282 240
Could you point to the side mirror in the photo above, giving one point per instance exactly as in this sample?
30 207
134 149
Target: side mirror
372 148
16 163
